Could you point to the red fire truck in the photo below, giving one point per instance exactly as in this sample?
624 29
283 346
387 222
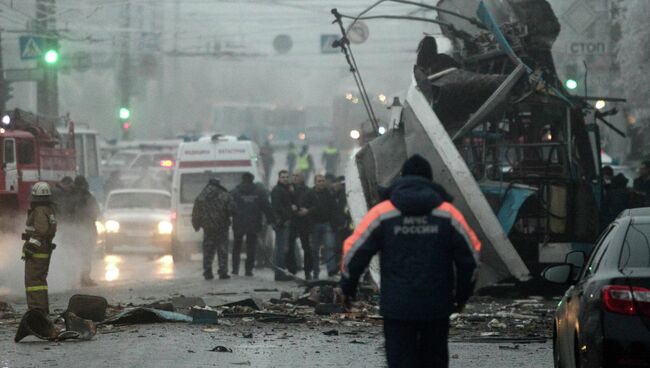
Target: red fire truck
30 151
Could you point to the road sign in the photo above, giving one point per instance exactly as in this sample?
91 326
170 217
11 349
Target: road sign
23 75
580 16
31 47
282 43
326 41
358 32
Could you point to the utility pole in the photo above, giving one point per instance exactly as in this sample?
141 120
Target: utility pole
47 90
124 75
4 85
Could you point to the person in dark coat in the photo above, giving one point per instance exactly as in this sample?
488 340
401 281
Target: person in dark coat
251 203
642 183
429 256
342 219
212 211
63 198
617 199
86 213
266 155
300 227
321 207
281 203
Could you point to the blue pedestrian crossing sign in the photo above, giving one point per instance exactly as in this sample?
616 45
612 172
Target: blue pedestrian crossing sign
31 47
326 41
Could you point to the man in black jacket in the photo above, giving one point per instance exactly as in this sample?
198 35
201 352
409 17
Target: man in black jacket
342 220
281 202
429 256
251 201
300 227
321 207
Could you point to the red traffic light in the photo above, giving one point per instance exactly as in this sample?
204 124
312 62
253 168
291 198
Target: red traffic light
126 125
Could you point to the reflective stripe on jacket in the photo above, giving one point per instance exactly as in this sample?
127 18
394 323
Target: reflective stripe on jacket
422 241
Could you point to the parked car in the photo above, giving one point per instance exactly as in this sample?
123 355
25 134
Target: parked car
138 220
603 320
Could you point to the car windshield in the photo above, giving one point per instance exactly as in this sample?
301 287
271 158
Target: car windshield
121 159
636 248
192 184
156 201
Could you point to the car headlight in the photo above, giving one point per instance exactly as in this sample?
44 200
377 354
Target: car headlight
100 227
112 226
165 227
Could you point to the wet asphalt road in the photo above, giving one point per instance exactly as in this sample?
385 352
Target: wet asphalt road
142 279
127 279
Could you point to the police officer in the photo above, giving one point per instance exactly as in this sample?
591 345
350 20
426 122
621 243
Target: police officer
252 202
330 158
212 211
305 162
37 249
429 256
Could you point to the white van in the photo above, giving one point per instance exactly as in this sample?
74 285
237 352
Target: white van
223 157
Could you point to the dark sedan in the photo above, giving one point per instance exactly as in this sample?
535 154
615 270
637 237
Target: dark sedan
603 320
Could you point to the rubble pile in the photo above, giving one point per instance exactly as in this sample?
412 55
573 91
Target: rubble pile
490 319
485 319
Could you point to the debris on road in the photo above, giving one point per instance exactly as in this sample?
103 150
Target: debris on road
6 311
252 303
204 315
183 302
221 349
325 309
89 307
146 315
488 317
84 328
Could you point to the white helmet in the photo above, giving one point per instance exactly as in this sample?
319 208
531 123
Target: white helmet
41 189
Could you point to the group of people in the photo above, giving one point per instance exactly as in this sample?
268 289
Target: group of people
77 211
429 252
317 216
617 196
302 160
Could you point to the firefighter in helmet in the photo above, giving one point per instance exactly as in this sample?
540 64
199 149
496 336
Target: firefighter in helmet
37 250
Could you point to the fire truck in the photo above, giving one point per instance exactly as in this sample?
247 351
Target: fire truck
31 150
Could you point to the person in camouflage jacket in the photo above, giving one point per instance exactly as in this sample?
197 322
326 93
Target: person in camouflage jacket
212 211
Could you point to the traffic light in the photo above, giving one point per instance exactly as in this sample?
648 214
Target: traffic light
6 93
51 55
571 76
124 113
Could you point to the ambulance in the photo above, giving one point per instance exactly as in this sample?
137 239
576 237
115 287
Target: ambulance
220 156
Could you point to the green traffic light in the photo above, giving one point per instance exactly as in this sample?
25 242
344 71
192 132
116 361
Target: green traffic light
571 84
51 56
124 113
